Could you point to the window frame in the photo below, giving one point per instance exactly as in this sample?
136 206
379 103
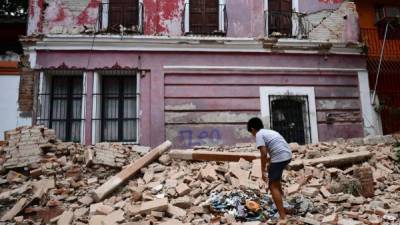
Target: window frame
103 23
44 98
222 19
97 112
295 19
265 93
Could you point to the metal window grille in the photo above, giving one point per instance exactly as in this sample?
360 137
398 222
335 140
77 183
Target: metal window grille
61 106
290 117
118 105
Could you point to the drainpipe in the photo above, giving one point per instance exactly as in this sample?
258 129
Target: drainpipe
380 63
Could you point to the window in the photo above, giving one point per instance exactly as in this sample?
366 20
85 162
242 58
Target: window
122 16
290 117
119 109
291 111
280 18
388 15
61 106
205 17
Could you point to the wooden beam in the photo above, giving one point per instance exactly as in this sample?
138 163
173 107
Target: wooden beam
202 155
101 192
341 160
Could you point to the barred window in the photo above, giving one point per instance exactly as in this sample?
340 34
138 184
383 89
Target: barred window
280 17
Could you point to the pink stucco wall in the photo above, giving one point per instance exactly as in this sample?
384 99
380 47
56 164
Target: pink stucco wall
245 17
208 95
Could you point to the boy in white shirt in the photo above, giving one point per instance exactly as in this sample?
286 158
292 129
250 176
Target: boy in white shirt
275 152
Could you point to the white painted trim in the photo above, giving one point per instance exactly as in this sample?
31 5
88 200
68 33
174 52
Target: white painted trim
265 92
104 16
83 110
32 59
266 31
295 19
96 106
187 17
221 20
141 15
372 125
138 75
168 68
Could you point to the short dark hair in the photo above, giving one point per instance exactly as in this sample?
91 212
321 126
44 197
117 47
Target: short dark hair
255 123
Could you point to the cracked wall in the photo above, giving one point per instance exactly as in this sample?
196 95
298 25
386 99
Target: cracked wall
339 24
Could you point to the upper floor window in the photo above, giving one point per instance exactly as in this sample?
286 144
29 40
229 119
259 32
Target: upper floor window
121 16
388 16
280 18
205 17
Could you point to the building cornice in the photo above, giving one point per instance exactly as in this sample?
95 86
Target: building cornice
192 44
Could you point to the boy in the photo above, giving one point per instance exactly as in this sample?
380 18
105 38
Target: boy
276 152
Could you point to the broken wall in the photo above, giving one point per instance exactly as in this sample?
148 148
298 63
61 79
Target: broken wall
336 22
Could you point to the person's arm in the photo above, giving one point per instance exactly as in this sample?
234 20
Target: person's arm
264 161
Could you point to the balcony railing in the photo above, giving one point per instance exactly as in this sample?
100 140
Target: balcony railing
287 24
121 18
374 41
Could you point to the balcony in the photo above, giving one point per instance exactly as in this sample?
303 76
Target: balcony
121 17
373 39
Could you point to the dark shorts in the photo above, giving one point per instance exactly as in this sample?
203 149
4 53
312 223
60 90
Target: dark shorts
275 170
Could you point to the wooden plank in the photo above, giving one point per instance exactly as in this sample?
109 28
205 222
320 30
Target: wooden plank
105 189
246 91
342 160
190 104
260 79
18 207
202 155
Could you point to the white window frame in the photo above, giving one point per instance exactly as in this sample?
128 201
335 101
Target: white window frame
104 16
265 92
45 88
221 16
295 19
97 108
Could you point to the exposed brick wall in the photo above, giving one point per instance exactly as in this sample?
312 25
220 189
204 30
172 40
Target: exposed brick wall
336 25
25 100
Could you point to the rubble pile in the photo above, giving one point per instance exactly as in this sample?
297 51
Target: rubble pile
58 184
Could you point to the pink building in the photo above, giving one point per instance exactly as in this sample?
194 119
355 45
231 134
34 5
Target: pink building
194 71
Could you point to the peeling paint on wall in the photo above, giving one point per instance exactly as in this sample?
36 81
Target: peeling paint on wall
34 19
189 106
70 16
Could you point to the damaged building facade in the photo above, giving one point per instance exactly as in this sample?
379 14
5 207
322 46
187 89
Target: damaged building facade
194 71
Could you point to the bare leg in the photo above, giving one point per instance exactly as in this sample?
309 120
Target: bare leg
275 188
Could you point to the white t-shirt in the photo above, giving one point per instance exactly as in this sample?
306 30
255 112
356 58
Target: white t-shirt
279 149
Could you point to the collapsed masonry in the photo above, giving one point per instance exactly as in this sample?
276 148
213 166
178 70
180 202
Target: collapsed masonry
343 182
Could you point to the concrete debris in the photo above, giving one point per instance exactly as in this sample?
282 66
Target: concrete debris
354 181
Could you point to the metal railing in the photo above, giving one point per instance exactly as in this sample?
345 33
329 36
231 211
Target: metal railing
374 42
287 24
117 18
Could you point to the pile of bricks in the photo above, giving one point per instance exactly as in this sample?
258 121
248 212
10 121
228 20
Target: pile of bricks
64 185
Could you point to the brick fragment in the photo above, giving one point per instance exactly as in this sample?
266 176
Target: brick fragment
155 205
182 189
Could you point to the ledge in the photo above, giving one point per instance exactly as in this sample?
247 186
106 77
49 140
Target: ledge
193 44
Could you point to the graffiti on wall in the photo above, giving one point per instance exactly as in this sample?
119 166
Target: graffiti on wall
190 137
